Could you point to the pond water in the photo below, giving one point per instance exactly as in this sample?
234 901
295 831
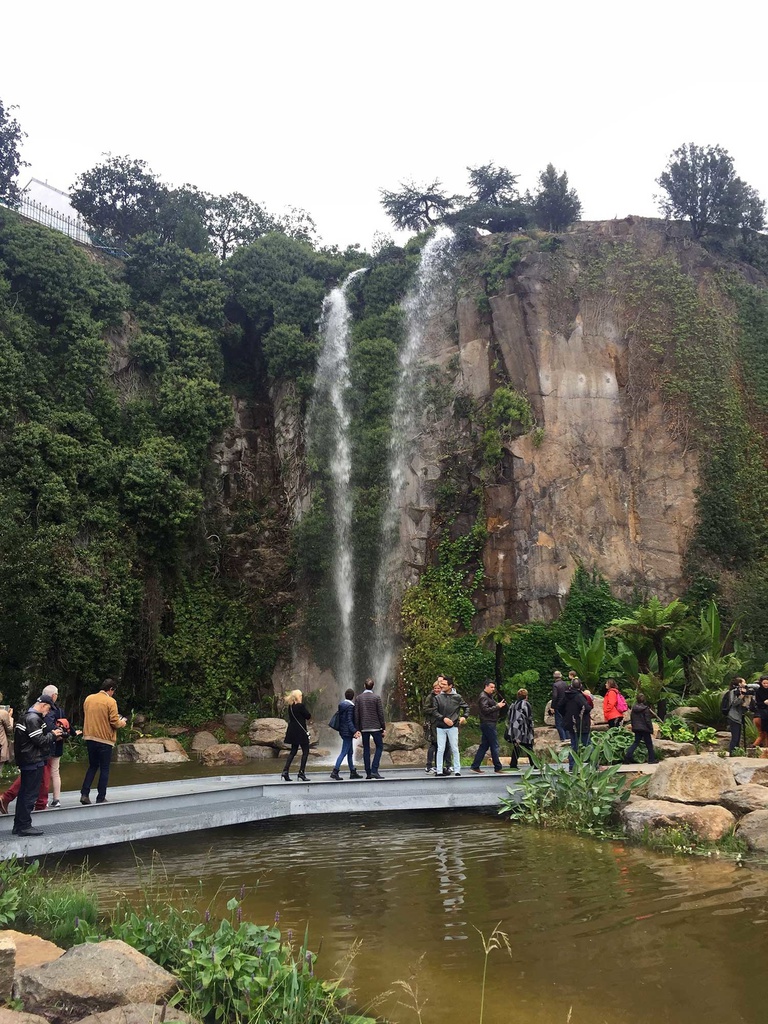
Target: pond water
600 933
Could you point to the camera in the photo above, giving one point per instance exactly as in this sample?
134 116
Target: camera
753 688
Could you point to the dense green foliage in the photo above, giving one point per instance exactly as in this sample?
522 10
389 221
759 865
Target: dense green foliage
10 156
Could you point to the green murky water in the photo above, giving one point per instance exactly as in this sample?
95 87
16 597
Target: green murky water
608 933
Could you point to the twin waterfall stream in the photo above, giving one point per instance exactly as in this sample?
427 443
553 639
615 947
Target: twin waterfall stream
332 386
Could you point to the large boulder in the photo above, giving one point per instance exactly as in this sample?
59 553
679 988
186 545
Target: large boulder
235 721
417 757
749 770
31 950
670 748
710 822
94 977
137 1013
545 738
147 750
267 732
753 829
256 753
223 753
202 740
404 736
691 780
744 799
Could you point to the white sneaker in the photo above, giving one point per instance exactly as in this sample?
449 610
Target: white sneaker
431 771
457 775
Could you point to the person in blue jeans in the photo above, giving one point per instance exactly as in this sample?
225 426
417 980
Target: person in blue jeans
489 709
348 733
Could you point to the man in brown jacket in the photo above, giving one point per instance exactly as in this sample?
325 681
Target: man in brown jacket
100 724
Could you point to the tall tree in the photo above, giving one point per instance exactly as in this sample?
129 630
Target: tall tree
10 157
234 220
701 186
416 207
493 185
120 197
555 205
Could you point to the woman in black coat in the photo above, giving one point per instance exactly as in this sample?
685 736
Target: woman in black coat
760 701
297 734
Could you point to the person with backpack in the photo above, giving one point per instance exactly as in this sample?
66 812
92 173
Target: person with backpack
614 704
641 720
519 730
345 726
737 700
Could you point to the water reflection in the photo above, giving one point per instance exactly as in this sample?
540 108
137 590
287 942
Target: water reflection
616 934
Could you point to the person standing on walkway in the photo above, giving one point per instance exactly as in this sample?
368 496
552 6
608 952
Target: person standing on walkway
6 734
101 720
489 709
611 713
576 710
297 734
41 803
738 703
450 712
369 720
761 713
32 744
641 721
56 718
347 731
520 728
559 686
428 710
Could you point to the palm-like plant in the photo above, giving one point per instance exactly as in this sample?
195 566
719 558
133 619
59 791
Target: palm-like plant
587 660
500 636
651 623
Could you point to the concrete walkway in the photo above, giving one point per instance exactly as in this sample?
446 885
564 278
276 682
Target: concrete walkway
188 805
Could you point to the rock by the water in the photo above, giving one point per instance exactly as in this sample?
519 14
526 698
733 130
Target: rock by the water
137 1013
256 753
235 722
92 977
319 752
202 740
710 822
267 732
404 736
744 799
691 780
753 829
163 750
749 770
409 757
31 950
670 748
223 753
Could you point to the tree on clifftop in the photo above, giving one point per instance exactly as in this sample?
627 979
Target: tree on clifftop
494 185
235 220
555 205
701 186
121 197
10 158
416 207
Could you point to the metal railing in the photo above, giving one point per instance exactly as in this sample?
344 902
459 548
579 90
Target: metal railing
74 227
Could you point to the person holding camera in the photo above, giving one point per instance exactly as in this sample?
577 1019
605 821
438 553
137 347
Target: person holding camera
738 704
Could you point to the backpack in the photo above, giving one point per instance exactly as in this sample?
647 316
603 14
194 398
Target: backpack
621 703
725 703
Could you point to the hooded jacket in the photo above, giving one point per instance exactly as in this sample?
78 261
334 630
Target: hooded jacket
347 719
640 718
576 711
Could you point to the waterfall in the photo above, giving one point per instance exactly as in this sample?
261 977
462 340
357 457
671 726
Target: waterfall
332 386
419 306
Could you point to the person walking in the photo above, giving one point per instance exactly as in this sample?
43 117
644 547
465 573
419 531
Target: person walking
32 745
761 713
297 734
41 803
6 734
370 722
576 710
348 733
559 686
450 712
489 709
428 710
520 728
101 720
738 703
641 720
614 704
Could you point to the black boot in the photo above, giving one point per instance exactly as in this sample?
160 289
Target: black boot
355 774
335 775
302 777
286 776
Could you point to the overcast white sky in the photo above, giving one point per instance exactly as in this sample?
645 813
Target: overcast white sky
321 104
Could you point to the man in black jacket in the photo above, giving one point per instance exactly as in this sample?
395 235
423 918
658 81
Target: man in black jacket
32 746
490 709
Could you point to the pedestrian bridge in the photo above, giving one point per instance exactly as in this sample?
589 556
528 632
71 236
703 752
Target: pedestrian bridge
168 808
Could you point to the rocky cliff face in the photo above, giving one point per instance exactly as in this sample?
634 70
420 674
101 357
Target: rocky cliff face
607 480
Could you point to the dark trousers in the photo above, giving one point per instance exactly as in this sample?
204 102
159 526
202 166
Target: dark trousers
432 752
641 737
517 752
378 740
736 728
489 741
582 739
346 751
25 801
614 723
99 760
42 797
304 744
562 732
